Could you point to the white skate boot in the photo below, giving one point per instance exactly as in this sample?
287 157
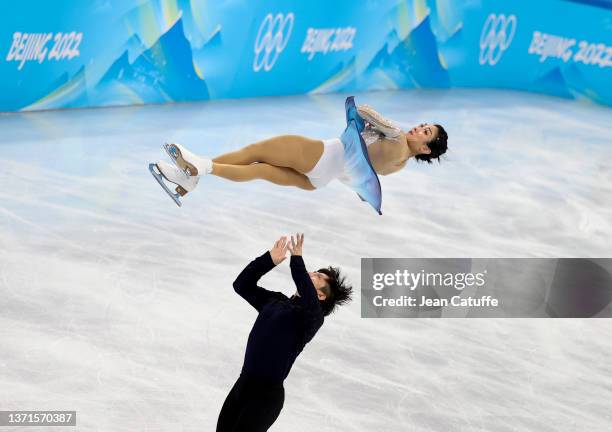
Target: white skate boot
165 171
191 164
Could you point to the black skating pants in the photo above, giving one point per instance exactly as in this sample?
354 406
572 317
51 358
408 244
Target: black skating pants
251 406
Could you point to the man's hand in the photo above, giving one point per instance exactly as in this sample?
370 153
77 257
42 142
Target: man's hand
296 244
279 250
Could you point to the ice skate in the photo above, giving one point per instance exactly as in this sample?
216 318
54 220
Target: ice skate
163 171
191 164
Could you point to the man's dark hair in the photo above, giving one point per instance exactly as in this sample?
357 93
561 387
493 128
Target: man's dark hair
437 146
339 291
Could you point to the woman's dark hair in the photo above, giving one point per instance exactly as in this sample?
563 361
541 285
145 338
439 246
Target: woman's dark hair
437 146
339 291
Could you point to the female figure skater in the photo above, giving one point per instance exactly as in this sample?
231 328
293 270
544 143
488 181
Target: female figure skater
306 163
282 329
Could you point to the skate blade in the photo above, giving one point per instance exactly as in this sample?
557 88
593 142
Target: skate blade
156 173
175 154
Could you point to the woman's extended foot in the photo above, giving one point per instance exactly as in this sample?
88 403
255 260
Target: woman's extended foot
185 183
192 164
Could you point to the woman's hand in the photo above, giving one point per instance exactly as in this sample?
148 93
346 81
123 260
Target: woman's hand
279 250
296 244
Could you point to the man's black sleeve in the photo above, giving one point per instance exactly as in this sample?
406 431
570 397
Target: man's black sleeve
307 291
246 282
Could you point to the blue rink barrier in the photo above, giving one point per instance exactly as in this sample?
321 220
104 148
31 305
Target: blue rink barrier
82 53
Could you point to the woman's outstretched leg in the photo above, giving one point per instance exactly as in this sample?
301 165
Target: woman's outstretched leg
290 151
262 171
282 160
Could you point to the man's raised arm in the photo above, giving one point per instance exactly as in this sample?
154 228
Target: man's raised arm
246 282
303 283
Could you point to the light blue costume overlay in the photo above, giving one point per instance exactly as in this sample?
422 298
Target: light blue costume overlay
357 165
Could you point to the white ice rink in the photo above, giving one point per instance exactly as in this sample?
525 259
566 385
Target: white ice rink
118 304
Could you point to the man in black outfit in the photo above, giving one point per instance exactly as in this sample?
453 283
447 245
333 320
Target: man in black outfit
282 329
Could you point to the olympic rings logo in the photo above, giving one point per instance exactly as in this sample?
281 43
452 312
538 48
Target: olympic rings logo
272 38
496 36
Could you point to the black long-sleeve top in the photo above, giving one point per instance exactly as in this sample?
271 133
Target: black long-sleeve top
284 325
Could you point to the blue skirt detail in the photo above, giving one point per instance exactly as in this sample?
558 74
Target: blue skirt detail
357 165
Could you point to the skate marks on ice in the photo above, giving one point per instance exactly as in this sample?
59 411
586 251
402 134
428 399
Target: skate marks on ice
119 304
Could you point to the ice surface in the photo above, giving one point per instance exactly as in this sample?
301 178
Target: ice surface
118 304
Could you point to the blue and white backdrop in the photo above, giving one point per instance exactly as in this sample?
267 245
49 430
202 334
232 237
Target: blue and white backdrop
110 52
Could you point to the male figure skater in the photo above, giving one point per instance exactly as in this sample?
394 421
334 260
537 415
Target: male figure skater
282 329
